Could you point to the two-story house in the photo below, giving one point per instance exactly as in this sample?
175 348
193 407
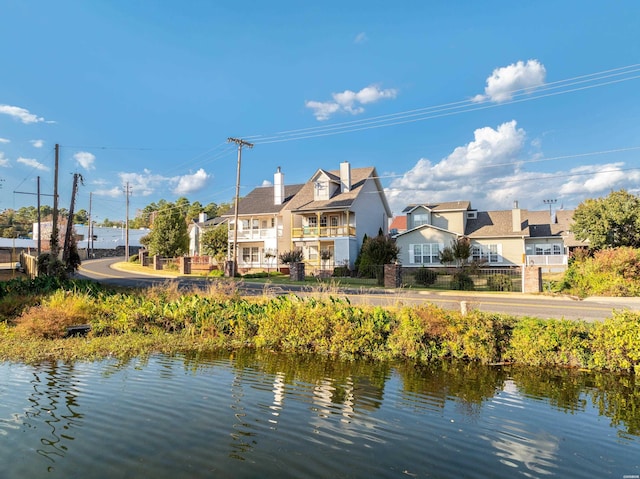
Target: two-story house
326 218
498 238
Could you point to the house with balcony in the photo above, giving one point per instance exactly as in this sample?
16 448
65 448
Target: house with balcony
501 238
326 218
332 213
263 224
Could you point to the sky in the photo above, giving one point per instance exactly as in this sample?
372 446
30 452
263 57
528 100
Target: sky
489 102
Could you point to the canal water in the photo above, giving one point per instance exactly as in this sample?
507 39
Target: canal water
265 415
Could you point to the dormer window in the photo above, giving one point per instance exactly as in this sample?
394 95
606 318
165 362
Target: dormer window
420 219
321 190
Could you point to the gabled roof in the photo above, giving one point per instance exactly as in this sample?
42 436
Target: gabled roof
304 200
259 201
399 223
534 224
443 206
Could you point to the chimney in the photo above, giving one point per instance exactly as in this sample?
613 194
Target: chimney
202 217
278 187
345 177
516 218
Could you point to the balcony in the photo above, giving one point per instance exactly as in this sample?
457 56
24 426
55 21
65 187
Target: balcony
547 260
323 232
254 234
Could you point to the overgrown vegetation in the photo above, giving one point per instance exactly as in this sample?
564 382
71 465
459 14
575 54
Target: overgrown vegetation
608 272
35 316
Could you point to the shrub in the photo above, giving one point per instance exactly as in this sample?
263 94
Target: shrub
500 282
341 272
425 277
134 258
616 342
462 281
291 256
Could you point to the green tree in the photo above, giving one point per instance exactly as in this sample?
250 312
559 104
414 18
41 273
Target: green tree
214 241
458 252
609 222
81 218
168 236
375 253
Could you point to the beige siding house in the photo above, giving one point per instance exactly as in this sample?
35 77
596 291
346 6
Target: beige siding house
326 218
498 238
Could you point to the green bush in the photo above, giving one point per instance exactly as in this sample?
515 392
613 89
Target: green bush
462 281
616 342
341 272
134 258
500 282
425 277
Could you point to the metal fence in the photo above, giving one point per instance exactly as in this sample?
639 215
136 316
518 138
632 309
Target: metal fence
479 279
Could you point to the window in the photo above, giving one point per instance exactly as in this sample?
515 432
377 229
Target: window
255 224
334 221
424 253
313 221
323 221
251 254
487 252
312 252
548 249
244 225
420 219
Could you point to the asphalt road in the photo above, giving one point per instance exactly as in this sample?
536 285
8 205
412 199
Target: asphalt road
542 306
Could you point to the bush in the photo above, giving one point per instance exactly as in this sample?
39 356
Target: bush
616 342
500 282
462 282
292 256
134 258
341 272
425 277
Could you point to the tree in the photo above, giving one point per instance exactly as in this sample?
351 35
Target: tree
609 222
375 253
458 253
168 236
214 241
81 217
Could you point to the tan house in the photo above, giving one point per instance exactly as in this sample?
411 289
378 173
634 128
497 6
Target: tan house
498 238
326 218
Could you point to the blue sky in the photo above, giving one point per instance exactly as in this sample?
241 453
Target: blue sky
489 101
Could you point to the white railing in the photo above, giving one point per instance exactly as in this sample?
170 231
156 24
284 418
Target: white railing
256 234
547 260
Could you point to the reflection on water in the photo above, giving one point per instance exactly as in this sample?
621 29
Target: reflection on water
268 415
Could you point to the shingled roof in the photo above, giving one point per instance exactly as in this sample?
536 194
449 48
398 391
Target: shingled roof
260 201
304 201
443 206
533 224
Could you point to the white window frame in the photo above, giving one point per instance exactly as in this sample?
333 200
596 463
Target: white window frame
425 253
491 252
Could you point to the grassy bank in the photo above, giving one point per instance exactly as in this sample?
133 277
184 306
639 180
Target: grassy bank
34 316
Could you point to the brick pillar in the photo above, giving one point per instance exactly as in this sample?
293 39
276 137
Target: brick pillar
296 271
532 279
157 265
185 265
392 275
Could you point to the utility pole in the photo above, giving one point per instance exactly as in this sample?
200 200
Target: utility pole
550 203
66 251
127 192
55 247
39 214
90 229
234 263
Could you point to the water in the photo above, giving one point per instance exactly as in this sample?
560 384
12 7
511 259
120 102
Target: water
262 415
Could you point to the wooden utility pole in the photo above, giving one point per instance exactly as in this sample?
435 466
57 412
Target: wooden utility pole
126 234
39 222
55 247
66 252
234 260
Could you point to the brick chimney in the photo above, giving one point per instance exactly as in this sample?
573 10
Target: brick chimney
345 177
278 187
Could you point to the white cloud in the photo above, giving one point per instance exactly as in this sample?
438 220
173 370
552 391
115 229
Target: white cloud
85 160
22 114
361 38
190 183
142 184
37 143
114 192
489 172
4 162
33 163
505 81
4 140
349 101
266 183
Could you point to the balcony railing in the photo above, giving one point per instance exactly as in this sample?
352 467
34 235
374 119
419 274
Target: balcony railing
323 231
546 260
255 234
